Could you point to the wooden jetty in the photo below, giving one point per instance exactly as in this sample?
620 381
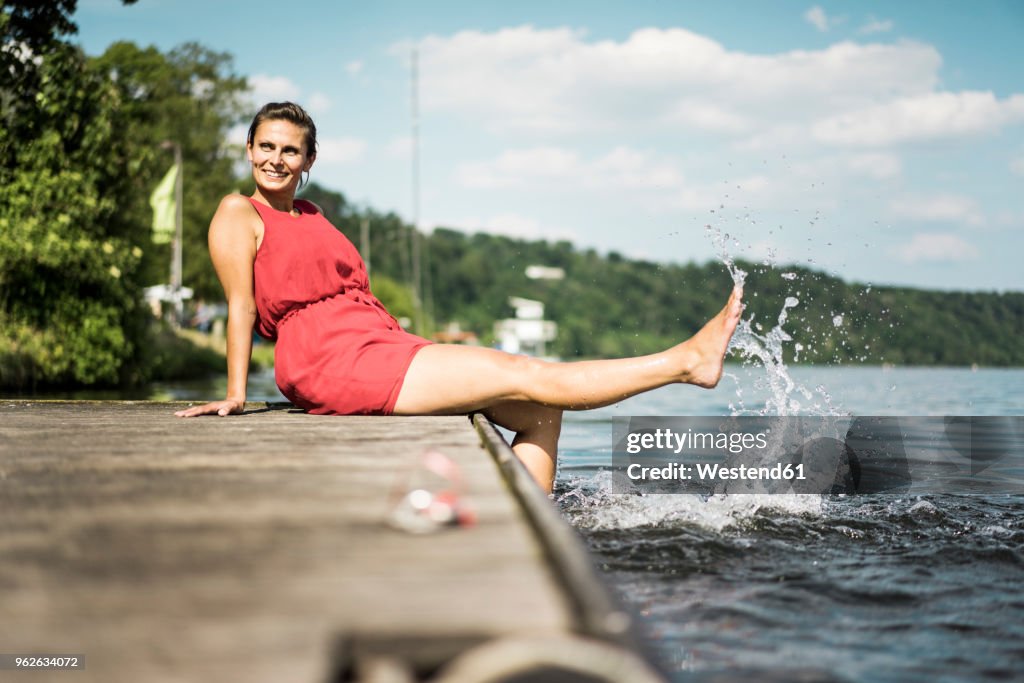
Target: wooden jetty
257 548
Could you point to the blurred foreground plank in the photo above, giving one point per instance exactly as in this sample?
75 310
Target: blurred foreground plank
245 548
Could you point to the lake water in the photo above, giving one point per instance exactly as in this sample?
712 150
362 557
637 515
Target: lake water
881 587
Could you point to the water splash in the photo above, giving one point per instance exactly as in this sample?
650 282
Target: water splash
767 349
721 241
592 505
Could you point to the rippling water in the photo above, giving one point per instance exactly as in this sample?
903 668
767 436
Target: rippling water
880 587
801 588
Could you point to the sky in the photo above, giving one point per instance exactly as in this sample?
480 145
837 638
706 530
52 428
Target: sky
882 142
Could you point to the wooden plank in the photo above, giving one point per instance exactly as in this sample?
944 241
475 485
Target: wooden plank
244 548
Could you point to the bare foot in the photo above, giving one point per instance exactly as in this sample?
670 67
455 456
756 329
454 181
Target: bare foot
705 351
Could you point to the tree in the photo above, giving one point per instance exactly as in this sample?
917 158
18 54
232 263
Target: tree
69 309
188 97
79 156
28 29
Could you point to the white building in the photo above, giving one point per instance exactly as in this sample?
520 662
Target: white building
528 332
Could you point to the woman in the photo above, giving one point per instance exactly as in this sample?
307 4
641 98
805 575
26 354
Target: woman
287 272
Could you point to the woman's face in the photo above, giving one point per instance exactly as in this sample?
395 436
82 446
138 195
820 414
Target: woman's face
279 156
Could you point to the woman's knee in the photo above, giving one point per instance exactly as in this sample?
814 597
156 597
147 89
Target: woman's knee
522 373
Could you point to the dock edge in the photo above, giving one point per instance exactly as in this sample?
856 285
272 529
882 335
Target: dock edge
596 612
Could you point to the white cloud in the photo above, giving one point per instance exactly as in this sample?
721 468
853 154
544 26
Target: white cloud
623 167
266 88
626 167
354 68
923 117
237 134
708 116
756 184
632 176
874 25
935 247
802 130
510 224
705 197
399 148
514 225
1017 165
340 150
318 103
202 87
817 18
517 167
556 81
779 135
877 165
1009 219
945 208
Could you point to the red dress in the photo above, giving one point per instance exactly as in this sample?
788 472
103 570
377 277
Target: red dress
338 349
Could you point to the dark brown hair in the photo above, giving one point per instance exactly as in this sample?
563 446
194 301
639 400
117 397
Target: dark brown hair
285 111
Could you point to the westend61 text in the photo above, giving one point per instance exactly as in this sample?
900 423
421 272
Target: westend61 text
715 472
669 440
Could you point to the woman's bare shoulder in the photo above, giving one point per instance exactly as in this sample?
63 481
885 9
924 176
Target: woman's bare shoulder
236 204
236 221
235 210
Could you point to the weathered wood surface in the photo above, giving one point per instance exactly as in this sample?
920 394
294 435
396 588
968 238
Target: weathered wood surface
243 548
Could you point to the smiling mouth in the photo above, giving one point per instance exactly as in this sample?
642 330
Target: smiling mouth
275 174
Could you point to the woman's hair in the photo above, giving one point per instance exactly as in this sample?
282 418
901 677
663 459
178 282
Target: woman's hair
285 111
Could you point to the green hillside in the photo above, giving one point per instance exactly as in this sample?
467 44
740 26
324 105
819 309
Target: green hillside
608 305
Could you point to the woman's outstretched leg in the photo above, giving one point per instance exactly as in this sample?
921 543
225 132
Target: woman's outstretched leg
450 379
537 430
527 395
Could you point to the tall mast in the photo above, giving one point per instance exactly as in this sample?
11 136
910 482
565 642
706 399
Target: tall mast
416 299
176 274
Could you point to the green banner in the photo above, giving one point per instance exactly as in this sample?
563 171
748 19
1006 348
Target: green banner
162 201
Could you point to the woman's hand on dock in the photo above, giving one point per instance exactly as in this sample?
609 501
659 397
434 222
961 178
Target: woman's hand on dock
226 407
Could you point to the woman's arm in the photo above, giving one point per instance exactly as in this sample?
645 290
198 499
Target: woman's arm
232 241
